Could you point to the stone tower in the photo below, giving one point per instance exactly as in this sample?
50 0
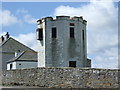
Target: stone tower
62 42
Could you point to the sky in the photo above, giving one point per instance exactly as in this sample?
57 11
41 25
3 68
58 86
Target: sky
19 19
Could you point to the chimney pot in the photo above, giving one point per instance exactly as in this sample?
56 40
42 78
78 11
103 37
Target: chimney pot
6 36
1 39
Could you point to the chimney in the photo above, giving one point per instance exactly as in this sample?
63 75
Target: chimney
6 36
1 39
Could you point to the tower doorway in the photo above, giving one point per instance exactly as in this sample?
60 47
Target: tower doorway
72 63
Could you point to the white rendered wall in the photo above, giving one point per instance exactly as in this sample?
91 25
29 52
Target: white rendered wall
26 64
13 65
41 48
19 64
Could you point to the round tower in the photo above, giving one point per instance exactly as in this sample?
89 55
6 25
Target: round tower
62 42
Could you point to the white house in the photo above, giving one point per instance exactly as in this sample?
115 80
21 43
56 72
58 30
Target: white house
62 42
25 59
8 48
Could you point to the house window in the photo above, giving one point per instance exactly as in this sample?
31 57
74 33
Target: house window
54 32
71 24
40 34
71 32
72 63
11 66
83 34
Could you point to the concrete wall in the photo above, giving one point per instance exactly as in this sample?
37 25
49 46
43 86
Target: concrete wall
22 64
59 51
62 77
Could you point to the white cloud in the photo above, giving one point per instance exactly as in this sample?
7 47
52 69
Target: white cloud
101 29
2 33
28 18
28 39
7 18
24 11
107 58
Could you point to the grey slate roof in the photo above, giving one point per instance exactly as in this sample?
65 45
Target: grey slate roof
30 56
7 45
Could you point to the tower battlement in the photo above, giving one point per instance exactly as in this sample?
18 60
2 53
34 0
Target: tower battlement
62 18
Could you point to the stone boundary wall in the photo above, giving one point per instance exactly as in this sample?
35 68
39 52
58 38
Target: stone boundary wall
62 77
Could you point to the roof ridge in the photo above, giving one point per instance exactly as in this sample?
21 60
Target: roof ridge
18 42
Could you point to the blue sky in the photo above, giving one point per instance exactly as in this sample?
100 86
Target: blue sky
19 19
36 10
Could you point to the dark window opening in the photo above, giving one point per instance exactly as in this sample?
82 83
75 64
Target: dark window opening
18 50
39 34
54 32
83 34
71 32
19 63
72 63
71 24
11 66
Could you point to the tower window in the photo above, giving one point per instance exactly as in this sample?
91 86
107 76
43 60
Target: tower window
72 63
71 32
54 32
83 34
40 34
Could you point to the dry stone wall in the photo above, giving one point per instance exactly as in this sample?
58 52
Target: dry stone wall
62 77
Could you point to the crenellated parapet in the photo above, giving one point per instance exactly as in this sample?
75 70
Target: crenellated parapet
76 18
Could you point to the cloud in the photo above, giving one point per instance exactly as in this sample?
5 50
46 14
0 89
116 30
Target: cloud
7 18
102 36
28 19
107 58
24 11
2 33
28 39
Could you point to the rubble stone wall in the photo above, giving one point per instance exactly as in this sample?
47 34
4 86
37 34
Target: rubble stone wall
62 77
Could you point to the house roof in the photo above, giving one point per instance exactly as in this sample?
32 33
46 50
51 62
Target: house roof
29 56
11 41
1 44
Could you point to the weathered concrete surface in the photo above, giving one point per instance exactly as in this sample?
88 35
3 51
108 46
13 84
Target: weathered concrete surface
62 78
59 51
